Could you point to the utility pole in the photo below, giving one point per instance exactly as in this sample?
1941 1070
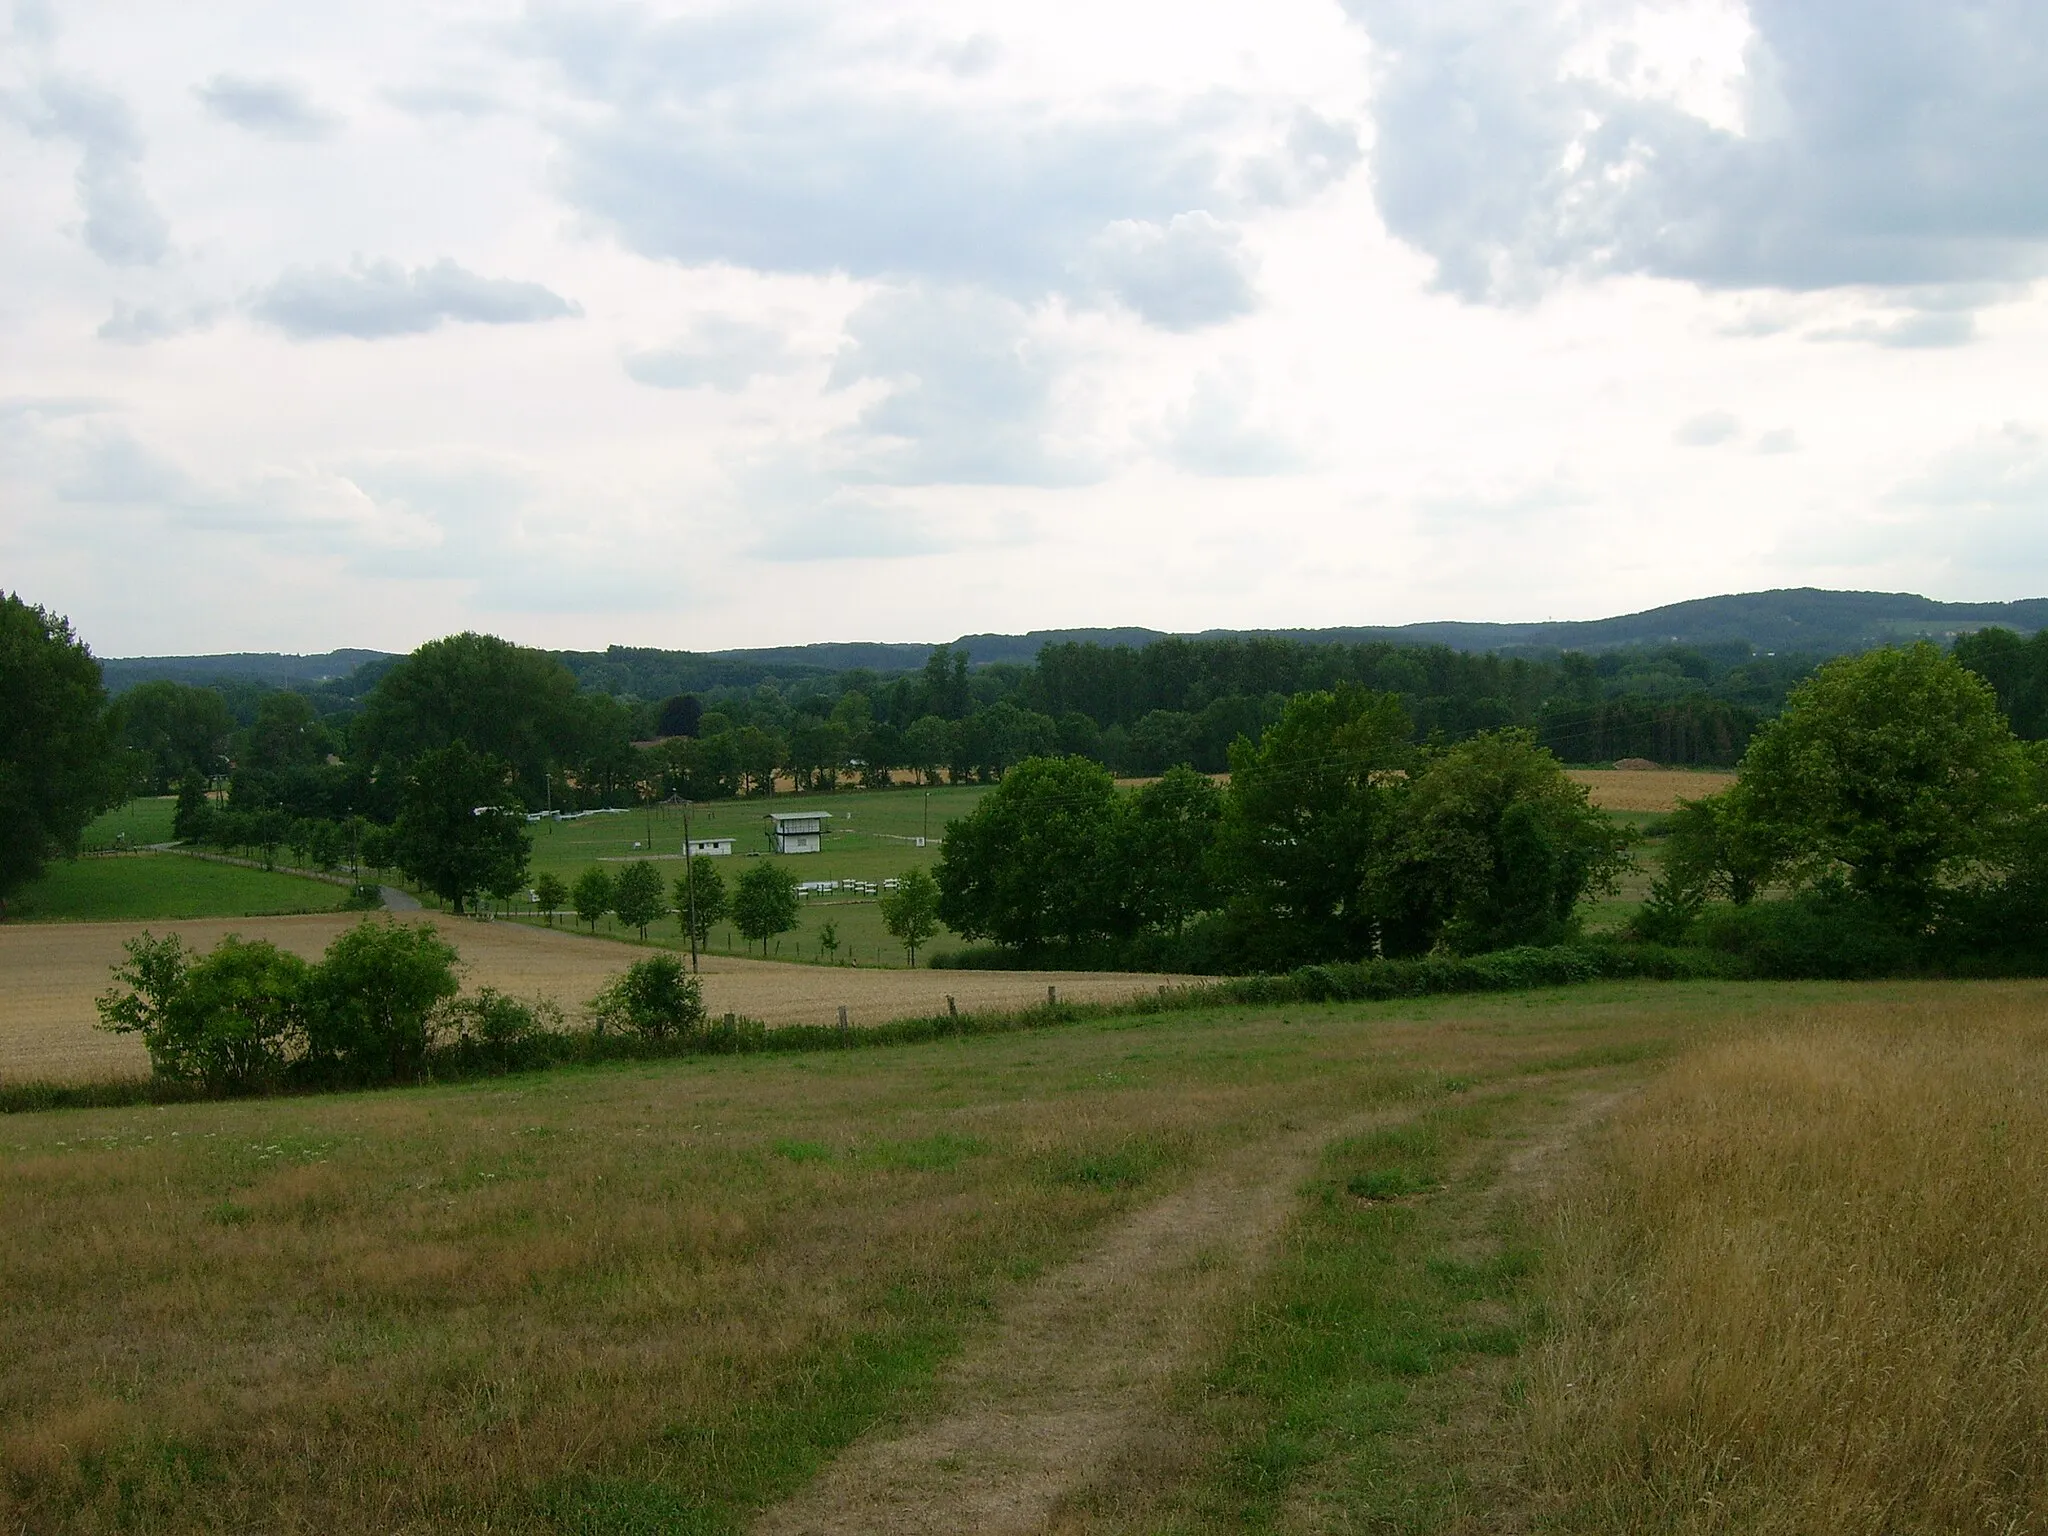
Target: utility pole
689 888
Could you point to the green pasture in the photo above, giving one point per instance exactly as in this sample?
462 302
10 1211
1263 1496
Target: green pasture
157 886
135 825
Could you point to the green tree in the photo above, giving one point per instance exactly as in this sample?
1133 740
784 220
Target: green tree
1892 772
175 730
592 896
189 820
504 700
709 904
1307 821
1034 862
550 894
828 942
371 1000
458 830
1170 829
228 1022
911 911
1712 850
764 903
636 895
925 747
59 766
1494 847
656 997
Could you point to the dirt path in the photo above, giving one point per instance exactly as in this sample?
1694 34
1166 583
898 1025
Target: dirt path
1077 1370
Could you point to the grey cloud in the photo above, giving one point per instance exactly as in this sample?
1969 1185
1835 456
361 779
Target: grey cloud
277 109
1891 143
1781 440
122 225
717 354
1190 272
108 465
381 298
1707 430
744 137
1318 152
969 397
1981 508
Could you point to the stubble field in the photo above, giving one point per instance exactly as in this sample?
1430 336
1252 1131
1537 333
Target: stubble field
50 975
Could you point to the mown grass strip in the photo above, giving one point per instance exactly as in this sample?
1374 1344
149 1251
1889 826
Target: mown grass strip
1380 1291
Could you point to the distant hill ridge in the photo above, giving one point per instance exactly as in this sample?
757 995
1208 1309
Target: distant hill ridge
1803 619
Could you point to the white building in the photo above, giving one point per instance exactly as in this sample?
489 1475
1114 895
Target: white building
709 847
797 831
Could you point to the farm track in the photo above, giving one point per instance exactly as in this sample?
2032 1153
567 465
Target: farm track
1078 1376
51 973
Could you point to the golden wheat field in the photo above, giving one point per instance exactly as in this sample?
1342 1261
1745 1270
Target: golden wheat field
51 973
1648 789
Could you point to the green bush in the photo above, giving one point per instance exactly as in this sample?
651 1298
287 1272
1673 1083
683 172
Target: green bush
230 1021
656 997
372 999
1823 936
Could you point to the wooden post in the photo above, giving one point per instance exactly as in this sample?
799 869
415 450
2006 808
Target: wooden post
952 1008
1052 997
842 1018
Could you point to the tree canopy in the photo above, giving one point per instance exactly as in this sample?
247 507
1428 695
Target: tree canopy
458 832
58 761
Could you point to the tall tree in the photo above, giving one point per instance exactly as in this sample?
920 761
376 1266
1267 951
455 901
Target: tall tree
636 895
1308 818
700 898
176 730
1494 847
911 911
1893 771
1034 862
459 831
507 701
1170 829
58 763
764 903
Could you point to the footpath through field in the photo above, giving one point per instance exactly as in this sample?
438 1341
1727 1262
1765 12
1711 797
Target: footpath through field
1079 1375
50 973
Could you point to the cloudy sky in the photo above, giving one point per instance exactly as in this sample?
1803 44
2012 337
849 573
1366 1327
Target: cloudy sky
710 325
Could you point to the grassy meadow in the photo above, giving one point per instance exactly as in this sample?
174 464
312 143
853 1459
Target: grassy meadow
1627 1257
153 887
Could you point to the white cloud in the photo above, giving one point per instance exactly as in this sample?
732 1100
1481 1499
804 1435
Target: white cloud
1709 429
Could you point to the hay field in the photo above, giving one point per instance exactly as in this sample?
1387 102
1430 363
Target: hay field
1802 1285
1653 790
648 1297
51 973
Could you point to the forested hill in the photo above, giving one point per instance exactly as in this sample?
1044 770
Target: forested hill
1806 620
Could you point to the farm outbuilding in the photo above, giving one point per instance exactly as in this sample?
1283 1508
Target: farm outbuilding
797 831
709 847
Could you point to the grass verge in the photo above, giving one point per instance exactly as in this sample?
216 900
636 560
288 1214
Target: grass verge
146 887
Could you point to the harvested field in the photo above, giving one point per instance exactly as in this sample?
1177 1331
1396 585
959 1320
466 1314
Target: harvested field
1660 789
50 975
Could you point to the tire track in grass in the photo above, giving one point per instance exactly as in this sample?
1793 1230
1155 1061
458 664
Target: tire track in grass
1078 1369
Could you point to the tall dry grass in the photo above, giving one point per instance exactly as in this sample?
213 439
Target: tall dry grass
1804 1286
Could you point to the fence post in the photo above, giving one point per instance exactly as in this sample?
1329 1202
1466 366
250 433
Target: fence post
952 1008
1052 997
842 1018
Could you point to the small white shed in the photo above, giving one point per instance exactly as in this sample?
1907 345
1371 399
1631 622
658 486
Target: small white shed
709 848
797 831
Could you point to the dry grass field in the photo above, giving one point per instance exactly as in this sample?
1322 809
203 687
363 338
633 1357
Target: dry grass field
1654 790
51 973
1804 1286
1703 1257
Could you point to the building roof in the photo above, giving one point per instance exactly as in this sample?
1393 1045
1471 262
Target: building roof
781 816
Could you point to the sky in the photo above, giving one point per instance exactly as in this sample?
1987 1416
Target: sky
710 325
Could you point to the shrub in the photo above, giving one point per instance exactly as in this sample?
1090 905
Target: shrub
656 997
372 998
228 1022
